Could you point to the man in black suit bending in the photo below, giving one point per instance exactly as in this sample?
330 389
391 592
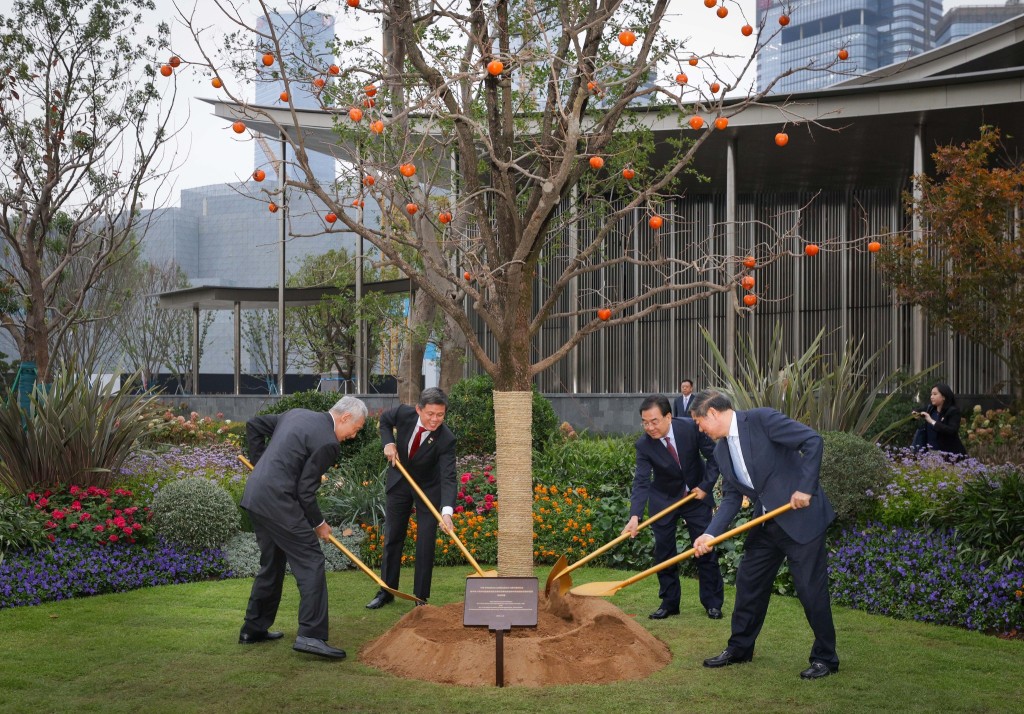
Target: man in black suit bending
772 460
425 446
668 467
280 496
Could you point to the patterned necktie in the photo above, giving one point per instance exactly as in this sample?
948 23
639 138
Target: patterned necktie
416 442
672 450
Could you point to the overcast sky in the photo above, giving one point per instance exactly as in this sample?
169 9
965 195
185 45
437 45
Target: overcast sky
207 152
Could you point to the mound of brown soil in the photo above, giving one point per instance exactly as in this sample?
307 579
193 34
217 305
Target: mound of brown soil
578 640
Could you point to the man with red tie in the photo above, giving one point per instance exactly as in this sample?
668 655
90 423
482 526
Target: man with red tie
425 446
668 467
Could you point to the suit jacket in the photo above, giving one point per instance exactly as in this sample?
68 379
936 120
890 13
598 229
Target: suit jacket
782 456
944 434
656 469
679 409
287 471
433 465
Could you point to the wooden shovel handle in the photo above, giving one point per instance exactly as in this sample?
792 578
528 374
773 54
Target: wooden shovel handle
433 510
611 544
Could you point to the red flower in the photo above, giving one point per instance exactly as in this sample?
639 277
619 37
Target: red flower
137 526
459 509
469 500
72 526
58 515
52 537
490 479
98 529
112 538
489 497
84 516
43 502
47 493
51 524
127 530
466 478
32 496
74 490
76 505
120 522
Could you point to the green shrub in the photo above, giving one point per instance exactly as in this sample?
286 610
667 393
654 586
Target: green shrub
852 472
471 416
604 466
195 512
994 436
74 432
988 518
354 493
19 526
322 402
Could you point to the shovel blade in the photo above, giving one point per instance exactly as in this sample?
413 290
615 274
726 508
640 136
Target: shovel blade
556 572
484 574
398 593
599 589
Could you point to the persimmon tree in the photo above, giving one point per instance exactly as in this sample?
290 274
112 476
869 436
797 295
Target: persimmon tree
964 268
82 127
500 136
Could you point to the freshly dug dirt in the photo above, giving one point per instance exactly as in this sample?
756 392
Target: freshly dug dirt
578 640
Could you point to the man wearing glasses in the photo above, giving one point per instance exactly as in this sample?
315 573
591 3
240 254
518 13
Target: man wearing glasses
668 467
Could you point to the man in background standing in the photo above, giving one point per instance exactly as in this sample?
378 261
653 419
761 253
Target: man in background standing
681 408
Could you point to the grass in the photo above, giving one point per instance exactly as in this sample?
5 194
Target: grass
173 649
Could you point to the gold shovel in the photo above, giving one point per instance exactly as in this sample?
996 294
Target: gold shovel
465 551
607 589
351 556
559 574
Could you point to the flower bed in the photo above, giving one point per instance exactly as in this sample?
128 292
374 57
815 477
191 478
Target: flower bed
915 575
75 569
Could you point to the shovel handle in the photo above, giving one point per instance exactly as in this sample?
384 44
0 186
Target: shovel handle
433 510
246 462
714 541
611 544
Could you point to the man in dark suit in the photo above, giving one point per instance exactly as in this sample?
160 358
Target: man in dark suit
425 446
668 466
280 497
681 407
772 460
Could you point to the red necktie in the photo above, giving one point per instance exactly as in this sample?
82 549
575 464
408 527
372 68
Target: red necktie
671 450
416 442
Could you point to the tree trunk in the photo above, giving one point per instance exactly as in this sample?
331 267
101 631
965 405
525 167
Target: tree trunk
453 355
410 367
513 417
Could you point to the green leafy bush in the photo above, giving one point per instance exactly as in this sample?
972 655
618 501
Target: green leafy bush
322 402
19 526
604 466
195 512
74 432
988 518
471 416
994 436
354 493
852 472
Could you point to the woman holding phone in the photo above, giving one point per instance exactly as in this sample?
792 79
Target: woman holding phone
940 422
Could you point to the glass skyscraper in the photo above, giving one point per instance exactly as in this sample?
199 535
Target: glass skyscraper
876 33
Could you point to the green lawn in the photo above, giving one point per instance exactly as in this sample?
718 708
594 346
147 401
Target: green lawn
173 649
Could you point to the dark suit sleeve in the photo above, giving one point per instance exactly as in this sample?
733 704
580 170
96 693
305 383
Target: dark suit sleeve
793 435
641 482
309 481
388 421
449 480
258 431
711 472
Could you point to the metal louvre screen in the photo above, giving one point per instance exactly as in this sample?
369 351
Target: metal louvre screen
839 289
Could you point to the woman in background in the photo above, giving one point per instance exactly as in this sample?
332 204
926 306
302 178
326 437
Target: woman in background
940 426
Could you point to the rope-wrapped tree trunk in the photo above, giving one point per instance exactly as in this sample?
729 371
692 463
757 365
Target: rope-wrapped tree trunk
513 417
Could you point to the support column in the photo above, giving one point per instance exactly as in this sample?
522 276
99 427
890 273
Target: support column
283 227
238 348
730 249
574 288
195 350
917 314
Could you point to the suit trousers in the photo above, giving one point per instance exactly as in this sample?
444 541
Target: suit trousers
709 574
398 508
763 552
280 545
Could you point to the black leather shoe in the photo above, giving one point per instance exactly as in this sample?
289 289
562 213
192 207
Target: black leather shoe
817 670
727 657
714 613
312 645
382 598
419 603
662 612
250 638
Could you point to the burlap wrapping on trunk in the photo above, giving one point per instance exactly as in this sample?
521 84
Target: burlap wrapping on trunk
513 417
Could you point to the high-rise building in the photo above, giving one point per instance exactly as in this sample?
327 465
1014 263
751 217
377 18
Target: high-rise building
960 22
306 45
876 33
